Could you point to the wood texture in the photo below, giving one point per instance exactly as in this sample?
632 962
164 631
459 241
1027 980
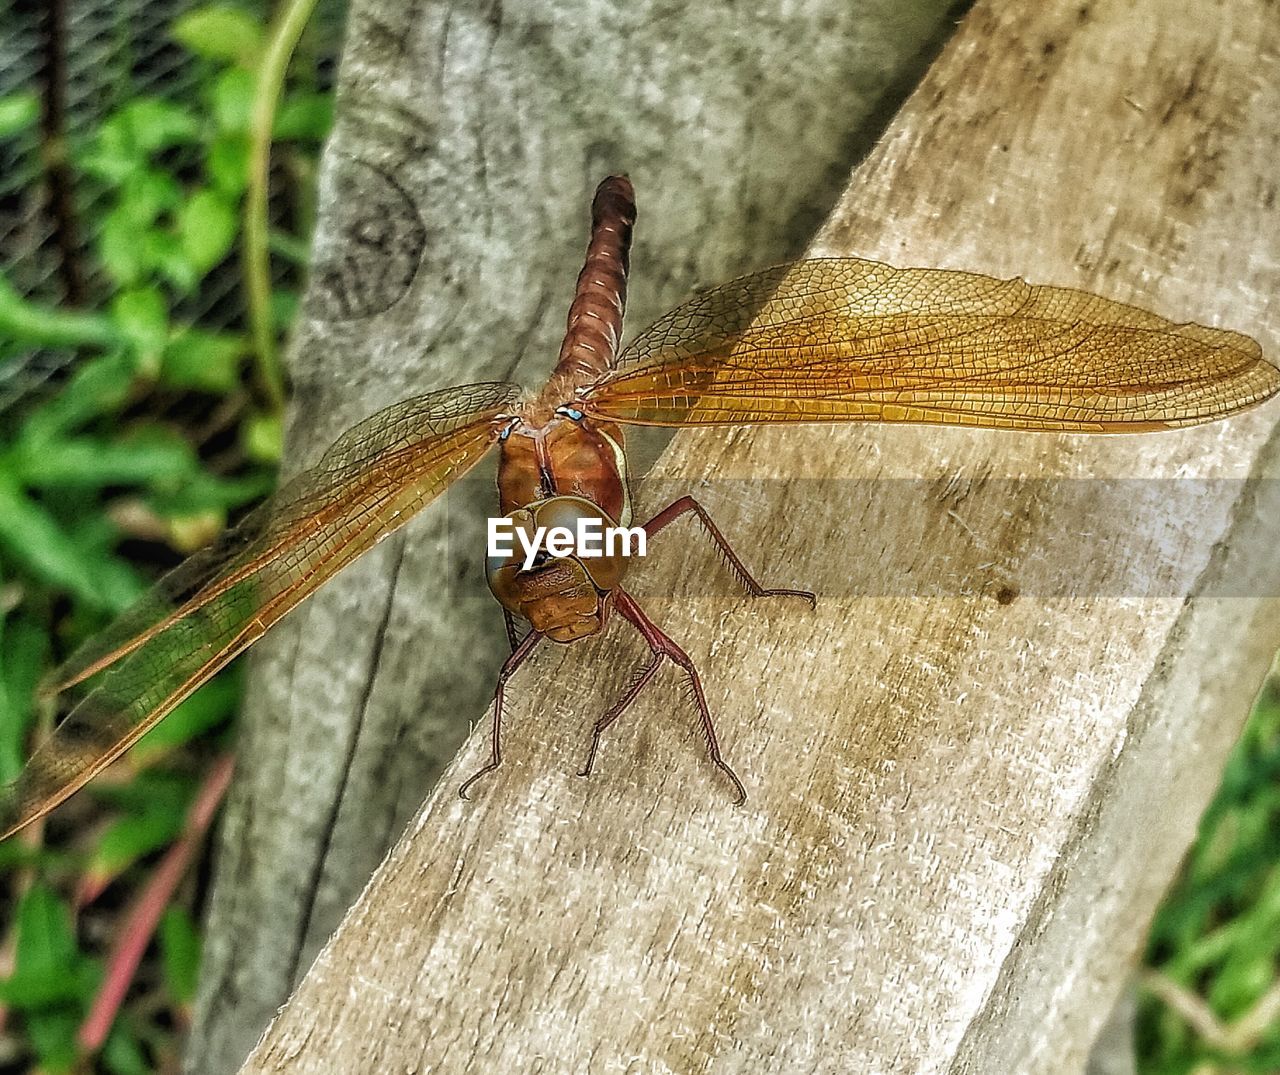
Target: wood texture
454 202
970 778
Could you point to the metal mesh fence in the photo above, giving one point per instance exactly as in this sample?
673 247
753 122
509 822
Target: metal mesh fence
116 50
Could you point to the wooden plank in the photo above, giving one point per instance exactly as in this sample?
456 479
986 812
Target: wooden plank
454 206
974 768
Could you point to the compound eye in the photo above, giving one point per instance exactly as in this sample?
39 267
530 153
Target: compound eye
567 511
605 570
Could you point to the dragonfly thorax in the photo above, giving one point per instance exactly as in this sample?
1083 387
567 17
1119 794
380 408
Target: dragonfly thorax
564 456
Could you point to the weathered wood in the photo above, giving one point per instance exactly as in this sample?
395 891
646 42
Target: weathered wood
970 779
454 198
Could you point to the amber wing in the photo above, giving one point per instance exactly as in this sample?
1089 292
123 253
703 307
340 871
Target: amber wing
373 479
847 339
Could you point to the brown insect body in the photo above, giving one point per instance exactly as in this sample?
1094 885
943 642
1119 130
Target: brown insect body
556 466
552 476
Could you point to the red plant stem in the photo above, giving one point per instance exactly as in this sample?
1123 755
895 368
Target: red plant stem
140 924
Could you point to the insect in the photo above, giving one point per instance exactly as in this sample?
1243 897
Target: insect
825 340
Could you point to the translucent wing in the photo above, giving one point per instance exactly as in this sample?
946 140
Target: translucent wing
839 339
197 618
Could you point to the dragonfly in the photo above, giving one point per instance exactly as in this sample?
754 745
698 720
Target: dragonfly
819 340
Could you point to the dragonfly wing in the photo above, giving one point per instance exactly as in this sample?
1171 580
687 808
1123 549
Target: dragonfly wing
846 339
372 480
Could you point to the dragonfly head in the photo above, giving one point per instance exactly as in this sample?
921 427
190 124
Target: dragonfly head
562 590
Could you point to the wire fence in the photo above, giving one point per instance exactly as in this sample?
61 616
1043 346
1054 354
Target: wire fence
112 52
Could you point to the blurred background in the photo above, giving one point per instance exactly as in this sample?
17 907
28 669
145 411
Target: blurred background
151 260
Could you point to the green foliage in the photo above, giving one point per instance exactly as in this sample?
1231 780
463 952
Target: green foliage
123 1053
305 115
1218 934
18 112
53 981
24 646
181 945
156 439
206 228
221 33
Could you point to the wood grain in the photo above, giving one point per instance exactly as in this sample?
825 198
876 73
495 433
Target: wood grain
966 795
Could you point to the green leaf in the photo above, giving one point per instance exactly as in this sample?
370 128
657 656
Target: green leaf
180 949
119 250
18 111
33 990
24 648
163 252
127 839
228 163
233 100
305 117
118 583
32 538
263 437
144 457
154 123
46 939
205 360
284 308
219 32
147 193
206 492
124 142
34 324
49 970
207 225
112 155
142 316
153 790
289 246
53 1034
109 160
98 387
122 1054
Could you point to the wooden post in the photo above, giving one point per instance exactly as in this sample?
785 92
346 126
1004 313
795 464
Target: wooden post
973 770
454 207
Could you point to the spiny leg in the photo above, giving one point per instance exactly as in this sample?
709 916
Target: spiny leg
513 662
663 646
512 639
687 504
637 685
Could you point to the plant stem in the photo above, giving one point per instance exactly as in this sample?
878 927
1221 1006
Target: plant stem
141 921
257 259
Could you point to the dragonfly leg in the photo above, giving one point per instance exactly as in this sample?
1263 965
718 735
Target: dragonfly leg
687 504
510 622
517 658
663 646
638 683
